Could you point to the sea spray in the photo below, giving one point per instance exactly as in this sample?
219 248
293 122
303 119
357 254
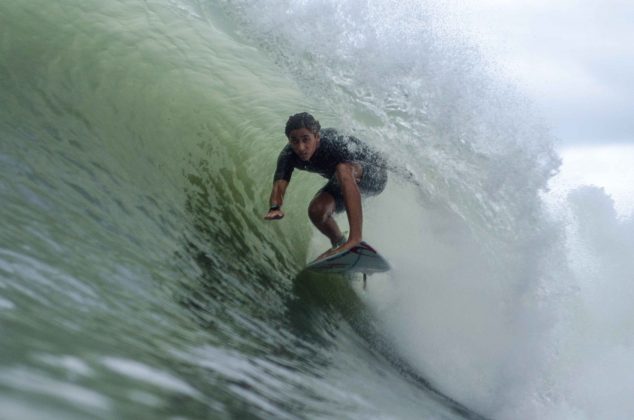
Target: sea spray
483 280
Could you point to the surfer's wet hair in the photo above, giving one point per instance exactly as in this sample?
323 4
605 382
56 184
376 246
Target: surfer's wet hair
302 120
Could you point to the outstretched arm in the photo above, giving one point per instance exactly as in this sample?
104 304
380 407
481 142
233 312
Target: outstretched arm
277 198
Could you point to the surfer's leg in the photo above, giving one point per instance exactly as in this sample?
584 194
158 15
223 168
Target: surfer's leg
320 211
348 176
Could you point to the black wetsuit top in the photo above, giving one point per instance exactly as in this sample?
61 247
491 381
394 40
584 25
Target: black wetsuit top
334 149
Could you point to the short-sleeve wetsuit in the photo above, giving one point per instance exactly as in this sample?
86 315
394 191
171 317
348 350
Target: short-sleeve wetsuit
334 149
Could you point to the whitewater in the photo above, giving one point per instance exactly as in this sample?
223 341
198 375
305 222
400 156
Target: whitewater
138 141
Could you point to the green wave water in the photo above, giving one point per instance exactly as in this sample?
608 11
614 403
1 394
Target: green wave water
137 279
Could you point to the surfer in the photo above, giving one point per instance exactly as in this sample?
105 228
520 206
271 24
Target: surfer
352 168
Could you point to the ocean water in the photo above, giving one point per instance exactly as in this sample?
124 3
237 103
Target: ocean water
138 279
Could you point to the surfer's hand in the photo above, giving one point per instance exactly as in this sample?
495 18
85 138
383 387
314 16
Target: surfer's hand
274 214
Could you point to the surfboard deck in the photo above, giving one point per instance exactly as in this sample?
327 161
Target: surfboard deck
360 259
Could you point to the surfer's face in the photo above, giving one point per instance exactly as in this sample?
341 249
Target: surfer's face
304 142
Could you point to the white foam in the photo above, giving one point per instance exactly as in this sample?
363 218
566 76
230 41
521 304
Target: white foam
500 299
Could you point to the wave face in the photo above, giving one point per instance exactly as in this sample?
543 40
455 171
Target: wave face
137 278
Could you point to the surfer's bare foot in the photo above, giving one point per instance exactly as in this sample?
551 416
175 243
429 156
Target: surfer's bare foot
325 254
349 244
342 248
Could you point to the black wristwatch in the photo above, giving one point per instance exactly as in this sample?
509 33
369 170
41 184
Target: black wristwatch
274 207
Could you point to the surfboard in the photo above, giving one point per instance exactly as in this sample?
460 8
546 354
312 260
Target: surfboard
360 259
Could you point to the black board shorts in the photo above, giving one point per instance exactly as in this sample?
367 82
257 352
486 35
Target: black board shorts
373 181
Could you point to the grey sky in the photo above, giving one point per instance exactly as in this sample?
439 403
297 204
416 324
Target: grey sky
575 59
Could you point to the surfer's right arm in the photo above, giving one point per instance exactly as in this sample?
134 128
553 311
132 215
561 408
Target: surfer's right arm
281 178
277 198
